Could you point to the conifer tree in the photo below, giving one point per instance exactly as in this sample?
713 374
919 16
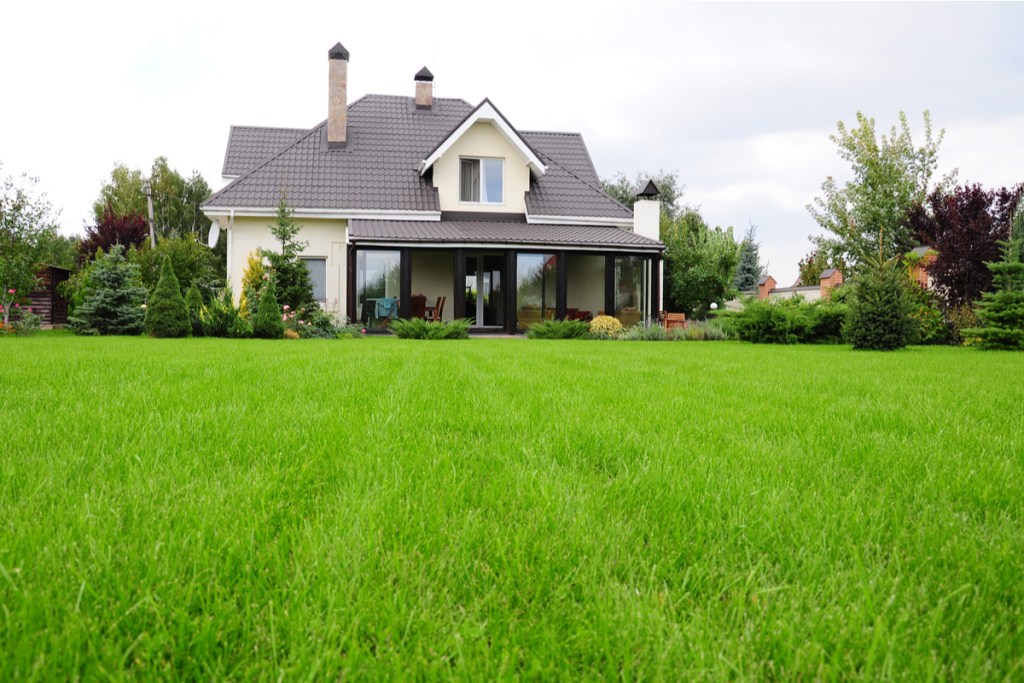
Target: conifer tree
1001 313
267 323
113 297
166 313
291 276
880 314
749 270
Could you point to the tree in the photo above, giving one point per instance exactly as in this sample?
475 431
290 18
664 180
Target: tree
254 277
880 314
194 304
268 323
1001 313
166 313
624 190
26 224
113 297
890 175
815 262
176 199
193 263
965 226
129 230
700 263
749 269
290 274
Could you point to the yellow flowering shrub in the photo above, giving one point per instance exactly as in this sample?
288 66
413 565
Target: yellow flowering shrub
605 326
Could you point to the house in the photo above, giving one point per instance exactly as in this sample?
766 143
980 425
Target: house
403 198
830 278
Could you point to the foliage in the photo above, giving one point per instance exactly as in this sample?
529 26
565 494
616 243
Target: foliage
268 322
816 262
749 269
166 312
964 225
193 263
624 190
890 175
700 330
176 199
26 226
314 323
929 324
254 277
1001 313
221 318
880 316
59 250
791 321
605 327
194 305
112 297
700 264
417 328
291 276
128 230
559 329
26 323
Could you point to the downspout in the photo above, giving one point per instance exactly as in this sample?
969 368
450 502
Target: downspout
231 223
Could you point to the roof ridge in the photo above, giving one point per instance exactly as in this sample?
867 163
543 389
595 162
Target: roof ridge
551 132
233 126
259 166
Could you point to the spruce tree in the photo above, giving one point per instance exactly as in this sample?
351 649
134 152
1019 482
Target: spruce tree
749 270
166 313
1001 313
880 314
267 323
113 297
291 276
194 304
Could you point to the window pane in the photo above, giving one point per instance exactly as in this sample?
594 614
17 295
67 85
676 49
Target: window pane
535 288
494 172
469 180
377 283
630 289
317 268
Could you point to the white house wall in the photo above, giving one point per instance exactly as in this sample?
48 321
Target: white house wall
326 238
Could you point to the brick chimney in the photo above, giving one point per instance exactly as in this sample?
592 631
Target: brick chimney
337 96
829 280
765 286
424 88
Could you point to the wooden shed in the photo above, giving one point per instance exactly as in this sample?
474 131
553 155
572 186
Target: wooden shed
47 302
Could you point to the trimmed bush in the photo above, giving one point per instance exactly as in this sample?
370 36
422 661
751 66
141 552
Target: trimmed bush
772 322
417 328
605 327
559 329
698 330
641 332
166 314
268 323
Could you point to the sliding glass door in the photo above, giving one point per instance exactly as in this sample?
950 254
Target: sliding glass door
485 294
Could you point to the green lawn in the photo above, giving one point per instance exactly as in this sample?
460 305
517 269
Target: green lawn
504 508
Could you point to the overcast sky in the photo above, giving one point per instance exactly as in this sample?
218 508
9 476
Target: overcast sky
738 98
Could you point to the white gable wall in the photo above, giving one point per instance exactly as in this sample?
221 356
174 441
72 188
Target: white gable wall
480 141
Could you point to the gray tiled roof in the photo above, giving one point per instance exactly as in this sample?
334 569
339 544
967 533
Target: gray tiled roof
250 146
498 232
378 167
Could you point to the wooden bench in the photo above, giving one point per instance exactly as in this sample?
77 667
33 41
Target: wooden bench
673 320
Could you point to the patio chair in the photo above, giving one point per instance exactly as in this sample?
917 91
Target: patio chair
387 308
434 313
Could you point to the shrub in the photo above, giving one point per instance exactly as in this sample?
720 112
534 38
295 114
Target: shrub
960 319
880 317
194 304
23 323
827 320
1001 313
291 334
314 323
929 325
166 313
768 322
605 327
268 322
193 264
253 278
112 297
697 330
219 317
559 329
417 328
641 332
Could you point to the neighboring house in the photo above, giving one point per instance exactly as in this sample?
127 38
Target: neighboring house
767 287
920 259
403 197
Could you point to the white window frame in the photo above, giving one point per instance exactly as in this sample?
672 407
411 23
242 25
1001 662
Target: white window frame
483 180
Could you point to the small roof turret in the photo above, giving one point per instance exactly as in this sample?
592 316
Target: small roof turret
423 75
650 191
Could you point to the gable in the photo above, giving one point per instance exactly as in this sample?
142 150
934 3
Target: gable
482 140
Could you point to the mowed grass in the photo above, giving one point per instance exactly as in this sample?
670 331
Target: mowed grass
488 509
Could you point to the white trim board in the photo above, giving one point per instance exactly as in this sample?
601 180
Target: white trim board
365 214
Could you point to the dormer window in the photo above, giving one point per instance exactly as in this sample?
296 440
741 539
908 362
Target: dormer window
482 180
